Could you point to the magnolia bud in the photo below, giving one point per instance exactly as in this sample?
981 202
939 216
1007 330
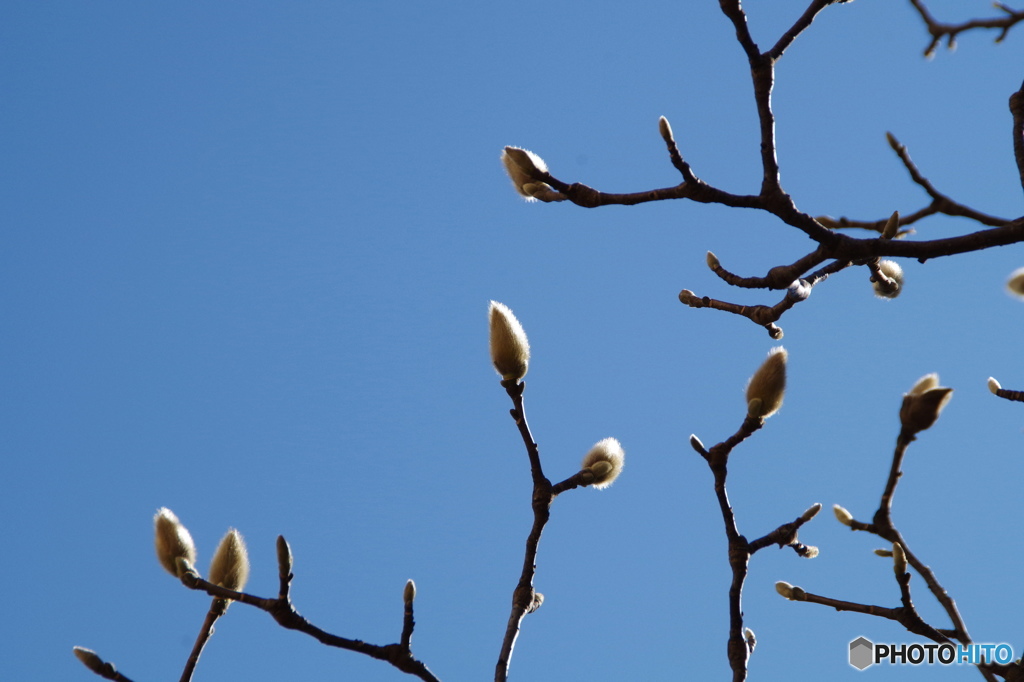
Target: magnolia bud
605 461
750 639
899 559
523 168
844 517
230 565
409 593
891 226
284 557
811 512
665 129
922 406
1015 285
90 659
768 385
712 260
173 541
894 272
883 553
696 444
993 385
790 592
510 351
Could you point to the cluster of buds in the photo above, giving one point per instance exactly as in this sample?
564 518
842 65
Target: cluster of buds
177 552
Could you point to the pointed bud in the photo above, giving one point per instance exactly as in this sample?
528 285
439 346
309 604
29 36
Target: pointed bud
899 559
687 297
666 130
827 221
696 444
893 142
891 226
844 517
811 512
409 593
510 351
894 272
284 557
993 385
173 541
768 385
922 406
713 261
89 659
524 168
884 553
230 565
605 460
1015 285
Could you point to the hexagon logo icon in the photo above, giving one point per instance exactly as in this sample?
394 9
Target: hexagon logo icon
861 653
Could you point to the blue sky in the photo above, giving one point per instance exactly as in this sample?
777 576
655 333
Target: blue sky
247 255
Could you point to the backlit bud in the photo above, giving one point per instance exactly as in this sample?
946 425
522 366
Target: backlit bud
712 260
768 385
510 351
230 565
844 517
891 226
524 168
993 385
665 129
811 512
894 272
899 559
409 593
605 460
922 406
89 659
790 592
883 553
750 639
173 541
1015 285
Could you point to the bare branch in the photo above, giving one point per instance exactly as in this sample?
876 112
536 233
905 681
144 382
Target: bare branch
939 30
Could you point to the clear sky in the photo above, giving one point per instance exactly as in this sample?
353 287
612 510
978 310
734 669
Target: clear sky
247 250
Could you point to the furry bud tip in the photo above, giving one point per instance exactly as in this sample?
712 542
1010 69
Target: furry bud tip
713 262
811 512
899 559
230 565
90 659
526 170
790 592
510 350
173 541
894 286
891 226
409 593
768 385
605 460
844 517
1015 285
993 385
665 129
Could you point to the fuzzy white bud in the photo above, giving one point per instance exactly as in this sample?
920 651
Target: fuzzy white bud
605 460
993 385
844 517
665 129
510 350
894 272
524 169
899 559
173 541
409 593
1015 285
891 226
230 565
811 512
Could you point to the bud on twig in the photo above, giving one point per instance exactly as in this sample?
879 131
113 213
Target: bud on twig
768 385
811 512
894 272
884 553
993 385
899 559
891 226
90 659
173 541
923 404
665 130
409 593
510 351
605 461
525 169
790 592
750 639
230 565
712 261
844 517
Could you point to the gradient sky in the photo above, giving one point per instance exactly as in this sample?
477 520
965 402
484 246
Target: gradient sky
247 255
